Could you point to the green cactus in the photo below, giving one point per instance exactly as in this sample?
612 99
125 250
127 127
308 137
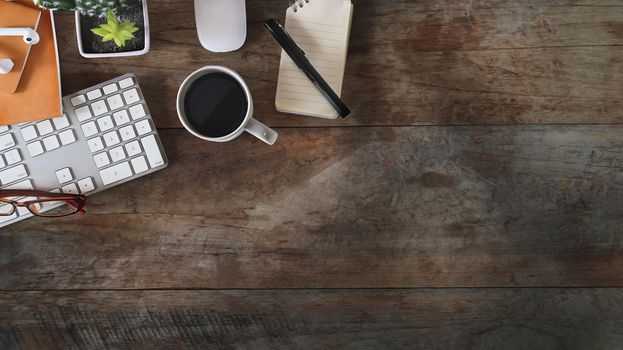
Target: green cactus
113 30
98 8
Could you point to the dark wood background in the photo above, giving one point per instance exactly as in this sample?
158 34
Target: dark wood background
472 200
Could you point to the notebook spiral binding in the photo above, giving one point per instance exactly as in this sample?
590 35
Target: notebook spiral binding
298 4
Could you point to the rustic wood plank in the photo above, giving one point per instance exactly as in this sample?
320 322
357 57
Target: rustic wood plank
325 319
410 62
346 207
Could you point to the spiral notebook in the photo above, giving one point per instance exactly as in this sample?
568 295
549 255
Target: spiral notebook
322 29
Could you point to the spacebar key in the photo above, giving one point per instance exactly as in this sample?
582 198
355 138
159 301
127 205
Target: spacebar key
116 173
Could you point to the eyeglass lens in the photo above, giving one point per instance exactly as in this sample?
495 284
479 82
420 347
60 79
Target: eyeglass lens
52 208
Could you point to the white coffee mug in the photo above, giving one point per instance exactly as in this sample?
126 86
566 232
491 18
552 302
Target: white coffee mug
249 124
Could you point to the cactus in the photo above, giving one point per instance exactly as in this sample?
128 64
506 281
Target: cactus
57 4
113 30
98 8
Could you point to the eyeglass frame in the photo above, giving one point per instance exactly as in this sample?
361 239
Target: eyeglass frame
42 196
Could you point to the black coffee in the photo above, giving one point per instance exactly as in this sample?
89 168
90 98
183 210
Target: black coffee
215 105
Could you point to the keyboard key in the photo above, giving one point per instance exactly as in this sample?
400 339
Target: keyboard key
139 164
117 154
152 150
71 188
99 108
101 159
29 133
13 156
137 111
3 128
133 148
127 133
105 123
64 175
116 173
61 122
131 96
111 138
22 185
121 117
109 89
86 185
115 102
45 127
5 218
51 143
6 141
94 94
125 83
95 144
13 174
35 148
78 100
83 113
2 163
67 137
143 127
89 129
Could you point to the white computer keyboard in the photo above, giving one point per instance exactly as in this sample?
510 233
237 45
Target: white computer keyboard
106 137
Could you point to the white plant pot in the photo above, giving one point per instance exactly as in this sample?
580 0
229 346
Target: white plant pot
114 54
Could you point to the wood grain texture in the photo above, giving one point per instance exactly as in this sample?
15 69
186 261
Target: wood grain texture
338 319
346 207
359 207
410 62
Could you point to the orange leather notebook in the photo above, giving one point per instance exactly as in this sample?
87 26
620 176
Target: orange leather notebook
38 94
13 15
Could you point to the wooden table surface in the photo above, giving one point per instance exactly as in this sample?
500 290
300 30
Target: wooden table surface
472 200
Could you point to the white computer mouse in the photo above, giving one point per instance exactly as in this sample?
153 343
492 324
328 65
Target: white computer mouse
221 24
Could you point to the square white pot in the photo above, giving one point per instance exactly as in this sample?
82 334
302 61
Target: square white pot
115 54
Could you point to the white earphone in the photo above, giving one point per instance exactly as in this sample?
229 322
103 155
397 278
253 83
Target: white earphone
30 38
6 65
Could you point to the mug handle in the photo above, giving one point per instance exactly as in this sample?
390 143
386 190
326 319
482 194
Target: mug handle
261 131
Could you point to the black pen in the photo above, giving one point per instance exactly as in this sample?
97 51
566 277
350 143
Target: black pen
298 56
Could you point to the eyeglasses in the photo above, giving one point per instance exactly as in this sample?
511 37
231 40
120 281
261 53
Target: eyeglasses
41 203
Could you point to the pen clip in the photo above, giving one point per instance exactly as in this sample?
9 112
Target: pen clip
288 36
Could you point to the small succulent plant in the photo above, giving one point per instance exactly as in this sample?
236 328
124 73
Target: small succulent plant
98 8
113 30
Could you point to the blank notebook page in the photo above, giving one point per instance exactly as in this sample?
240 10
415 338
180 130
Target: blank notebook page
321 28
